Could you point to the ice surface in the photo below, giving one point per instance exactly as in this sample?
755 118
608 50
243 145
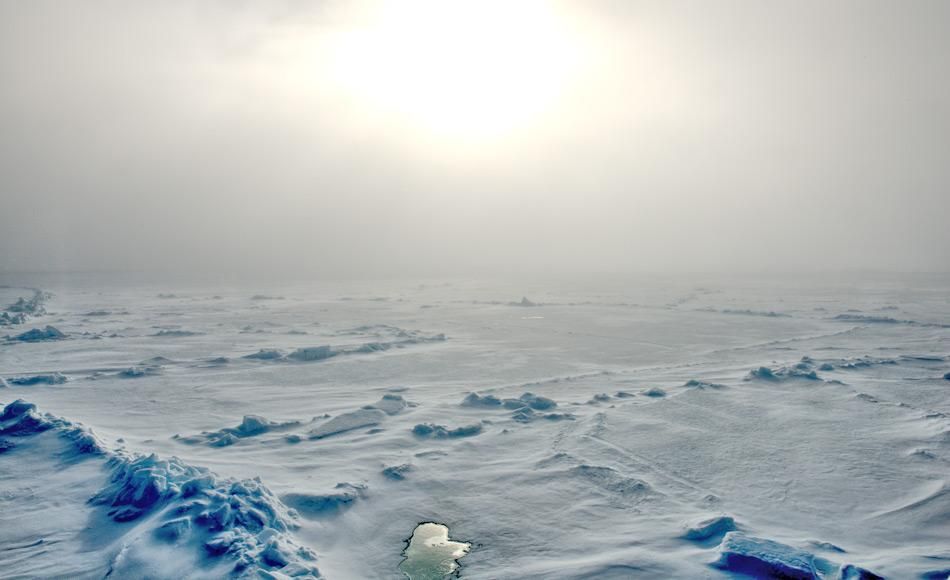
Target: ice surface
608 432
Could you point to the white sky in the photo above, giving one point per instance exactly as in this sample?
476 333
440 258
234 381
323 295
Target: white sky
346 138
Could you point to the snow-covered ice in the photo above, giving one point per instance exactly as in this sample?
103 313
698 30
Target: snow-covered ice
650 428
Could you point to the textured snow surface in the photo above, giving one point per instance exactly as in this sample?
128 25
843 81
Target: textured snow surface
649 428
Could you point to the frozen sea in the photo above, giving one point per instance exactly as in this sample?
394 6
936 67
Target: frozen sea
646 427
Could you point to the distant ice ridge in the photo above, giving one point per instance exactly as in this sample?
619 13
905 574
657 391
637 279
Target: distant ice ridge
326 351
237 527
746 312
251 426
525 408
175 333
873 319
42 379
24 308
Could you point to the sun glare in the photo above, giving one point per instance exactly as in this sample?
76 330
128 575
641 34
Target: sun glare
460 69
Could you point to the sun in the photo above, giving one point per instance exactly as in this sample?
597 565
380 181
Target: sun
464 69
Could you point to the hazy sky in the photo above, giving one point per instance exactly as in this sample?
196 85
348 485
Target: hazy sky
340 138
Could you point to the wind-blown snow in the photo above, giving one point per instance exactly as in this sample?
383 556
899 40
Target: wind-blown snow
650 429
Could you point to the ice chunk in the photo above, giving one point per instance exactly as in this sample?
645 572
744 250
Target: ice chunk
852 572
758 557
391 404
366 417
536 402
136 372
313 353
443 432
486 401
397 472
782 374
694 384
708 528
315 505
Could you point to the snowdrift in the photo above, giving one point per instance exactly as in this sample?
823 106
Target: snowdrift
216 526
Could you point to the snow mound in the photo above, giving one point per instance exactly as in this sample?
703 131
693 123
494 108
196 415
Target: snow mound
240 522
802 370
481 401
43 379
523 408
265 354
397 472
40 334
747 312
317 505
313 353
391 404
702 385
433 431
609 479
138 371
251 426
175 333
326 351
527 415
93 313
709 528
21 419
599 398
531 400
869 319
396 334
855 363
366 417
654 392
761 558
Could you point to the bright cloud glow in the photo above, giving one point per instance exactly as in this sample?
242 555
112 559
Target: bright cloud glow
468 70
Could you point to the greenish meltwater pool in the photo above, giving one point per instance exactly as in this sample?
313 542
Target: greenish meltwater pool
430 554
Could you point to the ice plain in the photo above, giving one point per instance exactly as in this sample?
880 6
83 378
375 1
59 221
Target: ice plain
657 427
